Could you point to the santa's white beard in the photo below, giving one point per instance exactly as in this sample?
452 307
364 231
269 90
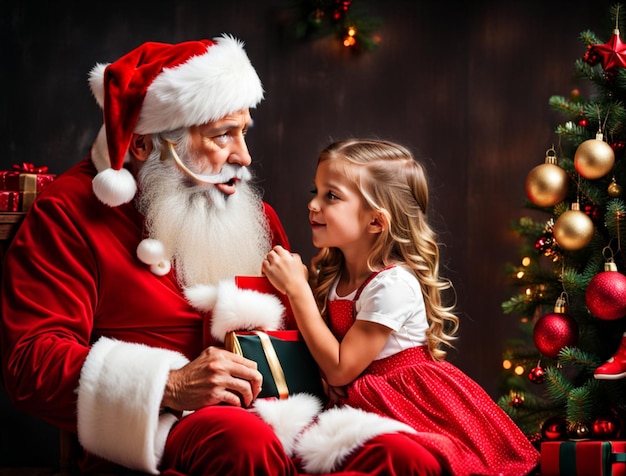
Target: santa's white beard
207 235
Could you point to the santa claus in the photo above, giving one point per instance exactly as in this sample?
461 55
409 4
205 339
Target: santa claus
97 335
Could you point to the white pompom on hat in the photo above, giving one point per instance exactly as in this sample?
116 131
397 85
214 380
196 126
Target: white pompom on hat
160 87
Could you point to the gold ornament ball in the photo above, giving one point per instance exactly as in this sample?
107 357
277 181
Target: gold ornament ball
594 159
614 190
578 431
547 185
573 230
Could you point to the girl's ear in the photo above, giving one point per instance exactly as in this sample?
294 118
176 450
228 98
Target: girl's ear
377 224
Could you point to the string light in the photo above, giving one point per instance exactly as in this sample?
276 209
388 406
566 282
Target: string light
350 40
352 27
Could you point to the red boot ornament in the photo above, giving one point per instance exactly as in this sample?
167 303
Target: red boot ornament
615 367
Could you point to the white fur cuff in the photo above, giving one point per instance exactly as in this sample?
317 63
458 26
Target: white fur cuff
119 395
288 417
236 309
338 432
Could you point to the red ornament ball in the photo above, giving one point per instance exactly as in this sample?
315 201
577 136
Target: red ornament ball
516 401
554 331
605 428
606 295
536 375
554 429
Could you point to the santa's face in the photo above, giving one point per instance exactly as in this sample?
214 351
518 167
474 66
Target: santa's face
206 213
217 144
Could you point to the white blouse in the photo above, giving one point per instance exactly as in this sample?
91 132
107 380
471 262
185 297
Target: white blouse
394 299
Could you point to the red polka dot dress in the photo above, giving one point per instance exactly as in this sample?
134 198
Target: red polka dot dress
454 417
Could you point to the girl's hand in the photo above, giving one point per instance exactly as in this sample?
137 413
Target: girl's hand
334 394
285 270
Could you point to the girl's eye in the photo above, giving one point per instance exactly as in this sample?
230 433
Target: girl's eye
313 191
331 196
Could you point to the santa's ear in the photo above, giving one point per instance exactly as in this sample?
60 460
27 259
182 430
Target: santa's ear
140 146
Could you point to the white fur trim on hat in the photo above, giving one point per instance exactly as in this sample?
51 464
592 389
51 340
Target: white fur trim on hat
288 417
204 89
119 396
338 432
236 309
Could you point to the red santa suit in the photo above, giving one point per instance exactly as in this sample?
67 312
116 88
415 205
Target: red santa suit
60 299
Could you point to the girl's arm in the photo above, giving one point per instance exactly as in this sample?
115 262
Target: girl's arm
341 362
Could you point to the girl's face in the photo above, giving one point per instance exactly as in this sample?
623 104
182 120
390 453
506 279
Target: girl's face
337 212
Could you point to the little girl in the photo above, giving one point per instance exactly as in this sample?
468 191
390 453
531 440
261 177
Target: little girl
375 322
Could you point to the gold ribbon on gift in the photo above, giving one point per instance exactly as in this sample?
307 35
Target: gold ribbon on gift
273 361
28 185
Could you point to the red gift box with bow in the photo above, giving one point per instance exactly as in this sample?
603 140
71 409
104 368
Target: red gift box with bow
25 179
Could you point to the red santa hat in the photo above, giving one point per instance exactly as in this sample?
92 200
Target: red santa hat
160 87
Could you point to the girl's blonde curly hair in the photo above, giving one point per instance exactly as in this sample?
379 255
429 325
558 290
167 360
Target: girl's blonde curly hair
393 184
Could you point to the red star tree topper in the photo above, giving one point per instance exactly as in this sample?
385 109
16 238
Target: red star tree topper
612 54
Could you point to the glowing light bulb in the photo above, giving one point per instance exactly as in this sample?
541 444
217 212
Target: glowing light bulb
349 41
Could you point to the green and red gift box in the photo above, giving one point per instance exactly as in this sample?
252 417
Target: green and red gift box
583 458
19 187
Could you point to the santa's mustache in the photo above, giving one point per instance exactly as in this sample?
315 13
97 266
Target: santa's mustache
230 173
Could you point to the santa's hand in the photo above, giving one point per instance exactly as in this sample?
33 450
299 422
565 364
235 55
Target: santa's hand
216 376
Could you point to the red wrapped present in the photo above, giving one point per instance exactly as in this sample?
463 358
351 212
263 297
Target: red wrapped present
26 179
583 458
10 201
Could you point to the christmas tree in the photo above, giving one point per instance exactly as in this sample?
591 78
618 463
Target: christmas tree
567 377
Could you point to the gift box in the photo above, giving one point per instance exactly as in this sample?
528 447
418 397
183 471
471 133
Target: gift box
283 359
10 201
583 458
25 179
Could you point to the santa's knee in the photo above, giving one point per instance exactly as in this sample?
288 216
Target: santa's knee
225 440
396 454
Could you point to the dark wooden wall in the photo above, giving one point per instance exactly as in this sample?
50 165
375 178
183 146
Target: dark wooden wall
465 86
